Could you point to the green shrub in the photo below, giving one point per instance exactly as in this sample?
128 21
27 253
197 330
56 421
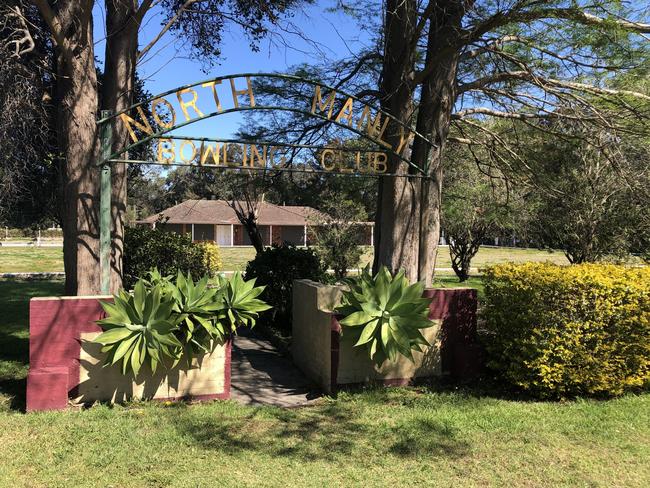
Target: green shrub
211 256
565 331
163 321
146 248
276 268
384 314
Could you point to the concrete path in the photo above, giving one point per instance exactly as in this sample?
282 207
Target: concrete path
262 376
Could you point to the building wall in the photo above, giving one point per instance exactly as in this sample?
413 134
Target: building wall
204 232
271 234
293 234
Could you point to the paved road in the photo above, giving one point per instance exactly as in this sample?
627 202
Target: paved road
263 376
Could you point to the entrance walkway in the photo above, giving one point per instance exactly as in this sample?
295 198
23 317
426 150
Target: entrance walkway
262 376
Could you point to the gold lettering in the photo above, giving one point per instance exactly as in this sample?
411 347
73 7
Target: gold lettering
318 102
403 140
180 151
379 162
171 157
210 150
144 126
247 91
156 116
272 162
225 154
374 128
191 103
255 154
346 112
322 159
213 84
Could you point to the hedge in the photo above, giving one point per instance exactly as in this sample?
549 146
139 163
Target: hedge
146 248
276 268
565 331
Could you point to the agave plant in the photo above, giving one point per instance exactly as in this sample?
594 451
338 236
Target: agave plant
139 326
197 307
167 319
385 314
239 304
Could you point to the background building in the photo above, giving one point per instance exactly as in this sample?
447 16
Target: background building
215 220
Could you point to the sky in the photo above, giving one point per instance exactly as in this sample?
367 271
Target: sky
333 35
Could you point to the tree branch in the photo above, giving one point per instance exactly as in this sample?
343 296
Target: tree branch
166 27
52 22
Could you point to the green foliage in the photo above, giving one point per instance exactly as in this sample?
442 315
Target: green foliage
139 326
146 248
476 206
589 196
276 268
239 305
337 235
385 314
564 331
164 321
211 256
196 305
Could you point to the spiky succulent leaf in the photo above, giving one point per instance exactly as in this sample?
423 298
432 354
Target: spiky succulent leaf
137 327
385 313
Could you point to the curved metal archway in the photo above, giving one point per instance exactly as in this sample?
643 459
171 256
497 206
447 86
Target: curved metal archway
108 157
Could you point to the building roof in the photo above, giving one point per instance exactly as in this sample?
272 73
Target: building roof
220 212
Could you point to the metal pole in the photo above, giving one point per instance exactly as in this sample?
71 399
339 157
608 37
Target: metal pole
106 140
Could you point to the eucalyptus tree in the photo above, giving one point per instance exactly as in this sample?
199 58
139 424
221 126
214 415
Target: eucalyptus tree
79 97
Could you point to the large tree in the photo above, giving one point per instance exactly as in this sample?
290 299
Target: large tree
451 65
79 97
449 69
28 173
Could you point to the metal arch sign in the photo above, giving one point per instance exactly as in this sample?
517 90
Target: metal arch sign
189 104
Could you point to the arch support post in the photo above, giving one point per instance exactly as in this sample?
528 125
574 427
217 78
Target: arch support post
106 145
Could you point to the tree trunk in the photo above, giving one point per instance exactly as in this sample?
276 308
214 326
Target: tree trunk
434 118
397 220
408 218
250 224
76 94
117 90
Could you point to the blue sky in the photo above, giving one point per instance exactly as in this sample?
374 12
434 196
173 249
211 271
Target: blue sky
335 35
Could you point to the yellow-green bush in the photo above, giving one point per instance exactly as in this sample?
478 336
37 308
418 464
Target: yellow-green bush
564 331
211 256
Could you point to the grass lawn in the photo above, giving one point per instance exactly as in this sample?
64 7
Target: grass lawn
29 259
394 437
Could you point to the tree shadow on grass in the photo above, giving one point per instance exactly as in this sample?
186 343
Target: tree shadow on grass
328 432
14 359
14 340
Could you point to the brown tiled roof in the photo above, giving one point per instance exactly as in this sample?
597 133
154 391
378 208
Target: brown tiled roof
220 212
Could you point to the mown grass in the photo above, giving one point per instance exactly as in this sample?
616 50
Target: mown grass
43 259
31 259
423 436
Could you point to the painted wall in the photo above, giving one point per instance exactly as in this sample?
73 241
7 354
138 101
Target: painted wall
65 370
329 359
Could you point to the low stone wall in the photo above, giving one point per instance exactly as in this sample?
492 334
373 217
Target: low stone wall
326 357
66 369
